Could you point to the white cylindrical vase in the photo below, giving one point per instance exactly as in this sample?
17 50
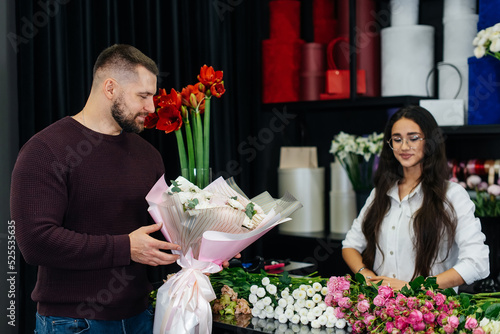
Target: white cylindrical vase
458 34
342 200
308 186
404 12
407 60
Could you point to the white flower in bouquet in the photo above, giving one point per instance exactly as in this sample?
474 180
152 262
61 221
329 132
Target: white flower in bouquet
487 42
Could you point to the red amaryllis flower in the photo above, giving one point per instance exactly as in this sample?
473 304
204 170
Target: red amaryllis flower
169 119
163 99
190 102
151 120
208 76
218 89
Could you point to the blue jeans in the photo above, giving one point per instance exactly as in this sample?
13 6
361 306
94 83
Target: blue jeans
139 324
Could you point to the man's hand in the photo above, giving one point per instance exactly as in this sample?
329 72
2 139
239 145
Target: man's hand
147 250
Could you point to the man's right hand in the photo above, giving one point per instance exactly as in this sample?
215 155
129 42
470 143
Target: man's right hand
147 250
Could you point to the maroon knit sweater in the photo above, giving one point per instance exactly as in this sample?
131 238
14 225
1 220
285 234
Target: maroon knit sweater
75 196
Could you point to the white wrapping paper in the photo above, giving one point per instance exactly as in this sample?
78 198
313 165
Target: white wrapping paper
308 184
407 59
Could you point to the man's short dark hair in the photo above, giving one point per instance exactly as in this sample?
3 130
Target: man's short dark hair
124 57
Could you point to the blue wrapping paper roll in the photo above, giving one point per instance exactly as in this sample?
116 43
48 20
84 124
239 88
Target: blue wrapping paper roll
484 90
488 13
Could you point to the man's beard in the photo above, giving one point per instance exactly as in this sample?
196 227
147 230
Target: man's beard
128 124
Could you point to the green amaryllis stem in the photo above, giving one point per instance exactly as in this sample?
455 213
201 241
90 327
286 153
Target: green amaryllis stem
206 140
182 152
190 150
198 138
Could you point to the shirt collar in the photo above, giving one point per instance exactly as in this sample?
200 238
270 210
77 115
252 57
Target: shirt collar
394 191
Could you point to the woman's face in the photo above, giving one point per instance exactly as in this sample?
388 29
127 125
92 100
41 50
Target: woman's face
407 142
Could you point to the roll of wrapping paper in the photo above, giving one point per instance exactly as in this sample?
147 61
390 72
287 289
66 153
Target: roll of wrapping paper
458 32
312 71
281 62
342 211
368 43
324 22
407 60
488 13
284 19
458 8
307 185
404 12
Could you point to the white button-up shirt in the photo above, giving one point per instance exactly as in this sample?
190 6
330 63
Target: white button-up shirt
468 255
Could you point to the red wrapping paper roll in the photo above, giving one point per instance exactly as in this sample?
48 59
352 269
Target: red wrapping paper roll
368 42
284 19
281 62
312 75
324 22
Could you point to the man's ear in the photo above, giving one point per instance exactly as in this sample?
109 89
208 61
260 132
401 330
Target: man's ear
110 88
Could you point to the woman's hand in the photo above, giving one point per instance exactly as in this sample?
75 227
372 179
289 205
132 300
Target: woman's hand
394 283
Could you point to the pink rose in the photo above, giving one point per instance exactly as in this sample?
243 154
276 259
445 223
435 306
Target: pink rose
448 329
470 323
478 330
429 317
389 326
429 305
439 298
386 292
363 306
400 323
473 181
379 300
345 302
453 321
415 317
419 326
494 190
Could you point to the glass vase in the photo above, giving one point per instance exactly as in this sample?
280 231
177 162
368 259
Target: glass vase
201 177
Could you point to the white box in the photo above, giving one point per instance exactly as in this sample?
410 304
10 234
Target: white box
446 112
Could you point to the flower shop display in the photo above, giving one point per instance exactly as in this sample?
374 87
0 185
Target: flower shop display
211 225
191 108
487 42
345 303
357 155
486 201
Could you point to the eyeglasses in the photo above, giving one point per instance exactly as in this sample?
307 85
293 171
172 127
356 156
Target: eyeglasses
396 142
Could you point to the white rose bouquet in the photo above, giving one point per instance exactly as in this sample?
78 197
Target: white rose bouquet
211 225
357 156
487 42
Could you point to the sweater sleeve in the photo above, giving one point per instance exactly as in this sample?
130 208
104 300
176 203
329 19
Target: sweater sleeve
39 200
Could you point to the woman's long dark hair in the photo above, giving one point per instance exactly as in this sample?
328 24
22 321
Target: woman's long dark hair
432 222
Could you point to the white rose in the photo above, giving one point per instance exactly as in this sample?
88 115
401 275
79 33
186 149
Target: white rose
285 293
340 323
317 311
311 316
317 298
295 319
252 298
261 292
253 289
315 324
310 304
282 302
269 309
324 291
255 312
303 312
271 288
495 43
265 281
317 286
289 313
304 321
283 319
267 300
322 319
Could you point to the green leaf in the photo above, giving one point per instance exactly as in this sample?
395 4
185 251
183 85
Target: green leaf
493 311
249 211
192 203
175 188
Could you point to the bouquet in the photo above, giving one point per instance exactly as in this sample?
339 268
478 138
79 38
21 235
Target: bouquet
211 225
487 42
486 202
357 155
420 307
191 108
